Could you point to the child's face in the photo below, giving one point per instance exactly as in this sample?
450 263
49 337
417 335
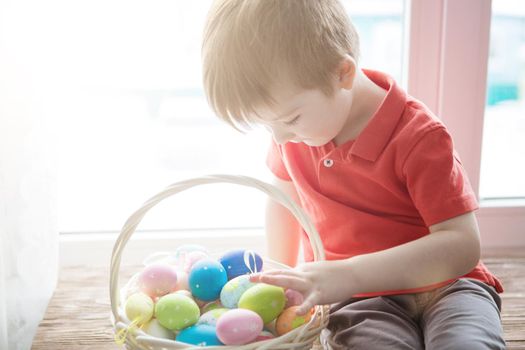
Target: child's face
307 116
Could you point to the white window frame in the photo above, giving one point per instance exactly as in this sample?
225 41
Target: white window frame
447 70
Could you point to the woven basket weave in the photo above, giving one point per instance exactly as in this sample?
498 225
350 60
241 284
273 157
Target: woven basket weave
303 337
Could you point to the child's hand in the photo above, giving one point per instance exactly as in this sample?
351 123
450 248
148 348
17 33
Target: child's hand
320 282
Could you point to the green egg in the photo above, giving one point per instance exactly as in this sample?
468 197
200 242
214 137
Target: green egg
176 311
139 306
266 300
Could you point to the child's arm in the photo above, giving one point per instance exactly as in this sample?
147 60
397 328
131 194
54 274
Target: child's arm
449 251
282 229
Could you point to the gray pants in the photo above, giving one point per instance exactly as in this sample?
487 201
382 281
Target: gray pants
462 315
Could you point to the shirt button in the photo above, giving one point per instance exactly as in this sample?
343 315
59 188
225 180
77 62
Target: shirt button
328 163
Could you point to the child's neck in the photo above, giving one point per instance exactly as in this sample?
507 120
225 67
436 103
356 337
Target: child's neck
366 99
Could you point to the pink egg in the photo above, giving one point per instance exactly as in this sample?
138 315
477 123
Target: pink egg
293 298
239 326
192 257
157 280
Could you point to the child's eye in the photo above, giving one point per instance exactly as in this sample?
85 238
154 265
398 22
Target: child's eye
293 121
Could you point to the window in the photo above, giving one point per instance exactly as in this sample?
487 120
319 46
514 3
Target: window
135 118
503 152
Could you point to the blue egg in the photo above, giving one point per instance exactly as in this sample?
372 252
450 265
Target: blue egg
206 279
241 262
234 289
201 335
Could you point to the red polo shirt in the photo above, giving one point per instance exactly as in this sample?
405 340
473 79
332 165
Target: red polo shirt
385 188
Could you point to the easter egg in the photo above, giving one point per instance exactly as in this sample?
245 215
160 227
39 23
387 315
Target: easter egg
238 326
139 306
293 298
206 279
157 280
265 335
210 318
234 289
266 300
289 320
241 262
201 335
176 311
154 328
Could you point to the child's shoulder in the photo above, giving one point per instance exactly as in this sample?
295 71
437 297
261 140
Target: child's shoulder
417 123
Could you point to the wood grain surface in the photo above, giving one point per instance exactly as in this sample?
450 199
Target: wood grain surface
78 316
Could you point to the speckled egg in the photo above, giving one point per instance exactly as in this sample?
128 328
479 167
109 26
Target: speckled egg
210 318
234 289
176 311
206 279
266 300
157 280
201 335
289 320
139 306
238 326
154 328
241 262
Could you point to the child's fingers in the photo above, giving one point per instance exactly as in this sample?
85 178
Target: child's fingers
283 281
281 272
256 277
308 303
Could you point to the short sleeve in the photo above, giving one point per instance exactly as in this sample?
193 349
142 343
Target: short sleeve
436 180
274 161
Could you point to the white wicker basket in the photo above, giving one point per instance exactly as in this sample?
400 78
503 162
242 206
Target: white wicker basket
303 337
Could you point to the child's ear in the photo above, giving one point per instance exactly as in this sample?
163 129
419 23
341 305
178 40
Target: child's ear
347 73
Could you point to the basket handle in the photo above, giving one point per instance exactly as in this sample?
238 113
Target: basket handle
133 221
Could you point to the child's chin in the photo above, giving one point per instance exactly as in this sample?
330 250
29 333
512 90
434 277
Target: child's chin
314 143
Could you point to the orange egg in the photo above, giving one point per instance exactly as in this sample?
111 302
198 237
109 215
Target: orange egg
289 320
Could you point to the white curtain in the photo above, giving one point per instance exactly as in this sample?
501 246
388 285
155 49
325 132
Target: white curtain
28 219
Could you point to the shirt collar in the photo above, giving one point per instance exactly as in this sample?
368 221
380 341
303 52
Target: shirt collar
373 139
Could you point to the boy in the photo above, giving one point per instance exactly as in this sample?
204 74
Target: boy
374 169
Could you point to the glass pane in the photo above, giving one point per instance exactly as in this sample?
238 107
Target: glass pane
503 152
380 24
135 117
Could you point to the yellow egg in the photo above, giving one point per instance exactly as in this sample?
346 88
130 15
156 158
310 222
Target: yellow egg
289 320
139 306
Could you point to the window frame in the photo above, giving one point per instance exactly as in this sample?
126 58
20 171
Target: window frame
447 69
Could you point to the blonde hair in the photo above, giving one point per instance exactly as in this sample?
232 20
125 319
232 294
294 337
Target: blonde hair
251 46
